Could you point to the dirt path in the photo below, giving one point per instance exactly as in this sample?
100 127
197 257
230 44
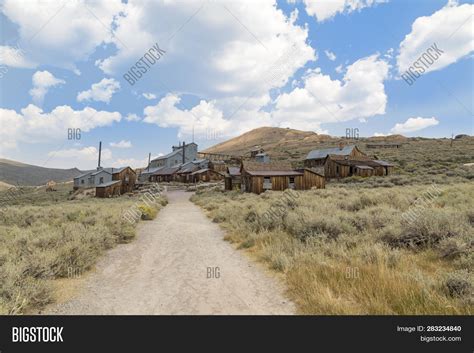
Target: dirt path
165 271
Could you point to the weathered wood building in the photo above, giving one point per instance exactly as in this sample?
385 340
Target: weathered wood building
109 189
127 176
232 179
206 175
317 158
259 177
337 166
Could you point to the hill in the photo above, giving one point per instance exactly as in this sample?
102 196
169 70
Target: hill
279 142
16 173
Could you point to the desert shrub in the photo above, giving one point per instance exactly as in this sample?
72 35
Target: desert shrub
426 230
42 243
148 212
460 284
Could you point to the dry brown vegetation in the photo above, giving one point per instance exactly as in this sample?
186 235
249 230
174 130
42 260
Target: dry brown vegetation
341 250
45 236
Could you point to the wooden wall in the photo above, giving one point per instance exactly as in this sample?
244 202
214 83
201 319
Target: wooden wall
108 191
311 180
128 178
280 183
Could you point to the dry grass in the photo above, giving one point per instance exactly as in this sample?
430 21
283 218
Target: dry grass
43 242
343 250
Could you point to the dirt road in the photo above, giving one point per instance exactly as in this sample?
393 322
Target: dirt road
178 264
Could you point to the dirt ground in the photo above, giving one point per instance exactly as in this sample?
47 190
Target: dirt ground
178 264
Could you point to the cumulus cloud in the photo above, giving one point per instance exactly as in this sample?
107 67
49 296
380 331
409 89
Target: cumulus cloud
70 25
82 158
101 91
450 28
324 10
32 125
331 56
414 124
15 57
42 81
132 117
121 144
200 118
360 94
233 58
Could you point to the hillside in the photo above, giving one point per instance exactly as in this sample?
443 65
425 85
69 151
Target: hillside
289 144
279 142
16 173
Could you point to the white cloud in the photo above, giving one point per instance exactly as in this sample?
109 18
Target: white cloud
233 58
331 56
450 28
131 162
339 69
121 144
101 91
47 27
149 96
326 9
414 124
379 134
15 57
42 81
82 158
360 94
32 125
201 117
132 117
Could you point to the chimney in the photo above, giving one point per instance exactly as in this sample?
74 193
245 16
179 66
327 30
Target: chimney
149 157
100 152
184 152
341 145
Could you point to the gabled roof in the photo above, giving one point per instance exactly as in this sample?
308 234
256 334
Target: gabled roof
188 167
82 175
166 156
104 170
323 153
167 171
151 170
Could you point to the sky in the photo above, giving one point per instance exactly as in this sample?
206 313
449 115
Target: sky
141 76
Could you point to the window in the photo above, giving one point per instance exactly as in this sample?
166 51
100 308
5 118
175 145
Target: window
267 183
292 183
82 181
101 180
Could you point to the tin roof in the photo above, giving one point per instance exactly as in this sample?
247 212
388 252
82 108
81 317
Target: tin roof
323 153
167 171
108 183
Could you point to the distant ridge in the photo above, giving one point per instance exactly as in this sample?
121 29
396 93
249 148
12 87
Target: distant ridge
16 173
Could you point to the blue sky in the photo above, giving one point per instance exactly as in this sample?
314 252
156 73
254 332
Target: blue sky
227 67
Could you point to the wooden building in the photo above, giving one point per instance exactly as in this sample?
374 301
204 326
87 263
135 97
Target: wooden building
337 166
259 177
205 175
127 176
317 158
109 189
164 174
232 179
